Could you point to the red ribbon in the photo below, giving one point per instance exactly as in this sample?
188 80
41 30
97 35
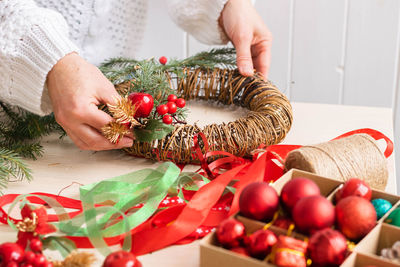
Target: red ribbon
178 223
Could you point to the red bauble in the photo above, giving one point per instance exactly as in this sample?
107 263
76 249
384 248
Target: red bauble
36 245
259 244
258 201
144 104
163 60
172 98
327 247
121 259
355 217
313 213
230 233
171 107
39 260
354 187
162 110
296 189
10 252
167 119
241 251
180 103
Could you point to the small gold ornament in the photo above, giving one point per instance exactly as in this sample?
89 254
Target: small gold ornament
76 259
114 131
124 111
28 224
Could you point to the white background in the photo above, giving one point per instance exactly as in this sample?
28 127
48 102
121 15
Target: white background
324 51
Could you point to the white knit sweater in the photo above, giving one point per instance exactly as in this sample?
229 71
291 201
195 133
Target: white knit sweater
34 35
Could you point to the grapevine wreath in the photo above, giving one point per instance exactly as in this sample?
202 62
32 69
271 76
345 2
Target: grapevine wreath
160 130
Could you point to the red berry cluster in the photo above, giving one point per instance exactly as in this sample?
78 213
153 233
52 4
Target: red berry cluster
13 255
171 107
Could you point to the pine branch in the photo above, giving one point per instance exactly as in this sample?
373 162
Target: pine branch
12 168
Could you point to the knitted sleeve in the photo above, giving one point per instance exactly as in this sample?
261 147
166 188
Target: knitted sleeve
32 40
199 18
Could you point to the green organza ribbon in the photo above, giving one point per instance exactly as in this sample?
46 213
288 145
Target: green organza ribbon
98 221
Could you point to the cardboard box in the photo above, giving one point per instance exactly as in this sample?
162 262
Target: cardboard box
365 252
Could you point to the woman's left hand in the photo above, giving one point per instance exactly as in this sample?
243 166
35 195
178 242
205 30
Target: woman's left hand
250 36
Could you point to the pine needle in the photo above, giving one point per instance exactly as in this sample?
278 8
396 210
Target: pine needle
12 168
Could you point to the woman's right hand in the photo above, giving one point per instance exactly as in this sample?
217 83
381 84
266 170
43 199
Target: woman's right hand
76 88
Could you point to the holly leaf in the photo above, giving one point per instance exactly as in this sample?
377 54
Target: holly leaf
63 245
154 130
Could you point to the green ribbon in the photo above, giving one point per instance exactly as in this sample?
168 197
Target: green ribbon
98 221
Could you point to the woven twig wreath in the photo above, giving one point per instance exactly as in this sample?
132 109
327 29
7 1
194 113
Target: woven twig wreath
267 122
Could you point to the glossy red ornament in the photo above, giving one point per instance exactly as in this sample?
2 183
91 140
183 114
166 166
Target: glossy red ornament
354 187
327 247
171 107
10 252
167 119
355 217
39 260
143 102
36 245
121 258
230 233
296 189
240 250
180 103
163 60
313 213
172 98
259 243
258 201
162 109
289 252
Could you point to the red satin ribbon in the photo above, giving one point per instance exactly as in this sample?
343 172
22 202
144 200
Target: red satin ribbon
177 224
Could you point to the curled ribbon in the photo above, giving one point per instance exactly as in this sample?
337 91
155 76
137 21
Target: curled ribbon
138 222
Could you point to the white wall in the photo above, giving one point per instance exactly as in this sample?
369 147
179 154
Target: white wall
338 52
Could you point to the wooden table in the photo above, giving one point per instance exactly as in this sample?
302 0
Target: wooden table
63 163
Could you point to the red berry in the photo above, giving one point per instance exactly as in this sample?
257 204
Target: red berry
167 119
29 256
25 264
171 107
12 264
180 102
121 259
36 245
11 252
127 125
39 260
162 109
48 264
172 98
143 102
163 60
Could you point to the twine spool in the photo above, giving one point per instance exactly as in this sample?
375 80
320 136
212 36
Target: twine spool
356 156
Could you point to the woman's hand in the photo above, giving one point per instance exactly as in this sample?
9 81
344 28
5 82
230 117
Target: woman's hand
249 35
76 88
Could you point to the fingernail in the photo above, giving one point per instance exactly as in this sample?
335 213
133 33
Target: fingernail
247 70
127 142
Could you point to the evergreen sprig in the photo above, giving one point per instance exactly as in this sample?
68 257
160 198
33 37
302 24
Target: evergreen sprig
12 168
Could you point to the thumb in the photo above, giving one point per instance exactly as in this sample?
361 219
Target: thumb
107 94
243 57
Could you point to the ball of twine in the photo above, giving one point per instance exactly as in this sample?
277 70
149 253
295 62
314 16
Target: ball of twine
267 122
356 156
